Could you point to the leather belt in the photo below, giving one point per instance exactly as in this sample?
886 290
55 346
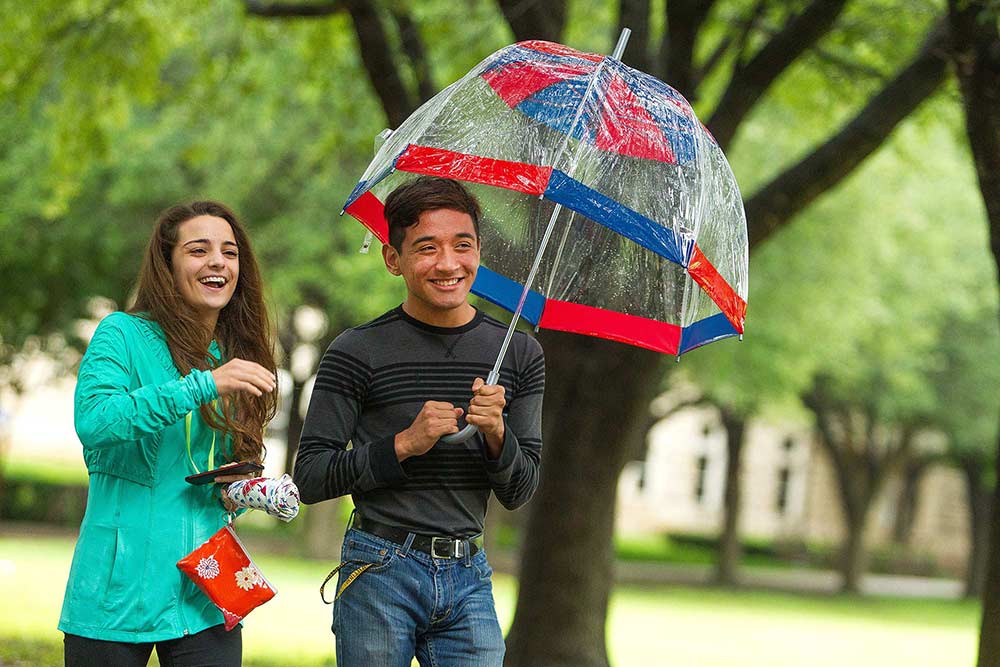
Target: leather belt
436 547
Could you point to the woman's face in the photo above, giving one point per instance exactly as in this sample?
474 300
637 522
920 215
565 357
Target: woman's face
206 265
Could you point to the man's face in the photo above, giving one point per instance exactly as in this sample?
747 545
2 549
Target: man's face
438 261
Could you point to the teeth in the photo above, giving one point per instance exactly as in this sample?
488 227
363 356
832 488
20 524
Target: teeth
216 280
447 283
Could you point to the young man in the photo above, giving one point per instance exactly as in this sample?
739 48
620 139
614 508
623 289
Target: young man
414 580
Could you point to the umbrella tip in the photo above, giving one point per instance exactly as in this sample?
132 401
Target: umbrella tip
678 358
741 338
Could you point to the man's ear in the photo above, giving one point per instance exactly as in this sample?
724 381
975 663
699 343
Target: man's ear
391 259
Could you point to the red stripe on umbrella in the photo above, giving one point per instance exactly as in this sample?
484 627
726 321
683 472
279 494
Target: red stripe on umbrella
590 321
728 301
520 176
516 82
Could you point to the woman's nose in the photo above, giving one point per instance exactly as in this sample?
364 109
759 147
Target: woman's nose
216 259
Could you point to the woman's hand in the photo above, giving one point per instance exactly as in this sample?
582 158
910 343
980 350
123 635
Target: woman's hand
225 480
242 375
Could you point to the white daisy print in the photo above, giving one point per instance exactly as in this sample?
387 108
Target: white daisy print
208 568
246 578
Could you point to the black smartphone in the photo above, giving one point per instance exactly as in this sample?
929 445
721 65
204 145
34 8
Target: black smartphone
209 476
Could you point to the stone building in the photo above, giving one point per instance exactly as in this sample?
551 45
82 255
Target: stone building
789 491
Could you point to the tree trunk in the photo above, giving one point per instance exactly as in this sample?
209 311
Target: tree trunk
730 548
853 557
566 570
295 420
323 530
979 499
976 54
909 500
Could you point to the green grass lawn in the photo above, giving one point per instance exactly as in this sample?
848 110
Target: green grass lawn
687 627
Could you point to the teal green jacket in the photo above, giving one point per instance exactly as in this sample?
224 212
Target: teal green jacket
142 517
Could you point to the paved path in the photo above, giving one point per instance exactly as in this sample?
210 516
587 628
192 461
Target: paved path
797 580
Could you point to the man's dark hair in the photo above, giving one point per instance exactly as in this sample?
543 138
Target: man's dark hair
405 204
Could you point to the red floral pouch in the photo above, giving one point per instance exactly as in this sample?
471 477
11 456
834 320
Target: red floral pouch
223 570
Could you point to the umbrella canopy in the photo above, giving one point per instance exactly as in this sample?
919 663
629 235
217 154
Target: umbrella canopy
648 234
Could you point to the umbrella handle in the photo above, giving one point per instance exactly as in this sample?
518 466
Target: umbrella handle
470 430
461 436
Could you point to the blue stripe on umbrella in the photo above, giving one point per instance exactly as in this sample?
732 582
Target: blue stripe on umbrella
632 225
706 331
364 186
505 293
549 106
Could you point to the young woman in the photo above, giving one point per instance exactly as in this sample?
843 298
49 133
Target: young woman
181 383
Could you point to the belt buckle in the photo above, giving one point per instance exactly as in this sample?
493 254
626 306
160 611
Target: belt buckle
453 548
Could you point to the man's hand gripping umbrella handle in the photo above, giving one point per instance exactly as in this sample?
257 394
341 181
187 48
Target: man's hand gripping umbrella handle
469 430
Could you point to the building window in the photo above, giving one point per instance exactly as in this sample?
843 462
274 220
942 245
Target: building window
781 502
701 467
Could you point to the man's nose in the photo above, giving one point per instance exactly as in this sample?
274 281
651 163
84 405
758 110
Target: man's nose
448 260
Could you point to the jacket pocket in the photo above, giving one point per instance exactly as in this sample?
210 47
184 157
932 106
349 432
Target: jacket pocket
94 564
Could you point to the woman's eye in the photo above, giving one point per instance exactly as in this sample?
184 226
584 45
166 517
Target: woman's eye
233 254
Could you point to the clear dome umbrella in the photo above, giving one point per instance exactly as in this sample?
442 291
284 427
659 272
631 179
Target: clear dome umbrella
608 208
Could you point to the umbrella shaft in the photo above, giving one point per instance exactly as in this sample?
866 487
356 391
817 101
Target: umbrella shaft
495 373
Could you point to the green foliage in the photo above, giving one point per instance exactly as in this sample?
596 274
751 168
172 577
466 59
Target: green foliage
865 287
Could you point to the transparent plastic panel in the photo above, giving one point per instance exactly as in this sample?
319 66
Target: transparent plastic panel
613 130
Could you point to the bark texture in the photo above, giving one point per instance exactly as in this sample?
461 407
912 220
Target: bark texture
976 55
730 546
566 567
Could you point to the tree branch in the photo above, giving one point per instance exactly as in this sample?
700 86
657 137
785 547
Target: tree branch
378 60
777 202
413 47
634 15
684 21
976 52
751 81
283 10
535 19
746 29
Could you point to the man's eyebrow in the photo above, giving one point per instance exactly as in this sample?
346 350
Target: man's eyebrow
461 235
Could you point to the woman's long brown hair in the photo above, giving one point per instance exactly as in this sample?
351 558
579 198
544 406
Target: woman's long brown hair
243 329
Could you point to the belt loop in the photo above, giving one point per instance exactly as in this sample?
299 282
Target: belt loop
407 544
350 520
468 552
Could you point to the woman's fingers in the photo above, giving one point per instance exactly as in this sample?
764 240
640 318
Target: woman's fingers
242 375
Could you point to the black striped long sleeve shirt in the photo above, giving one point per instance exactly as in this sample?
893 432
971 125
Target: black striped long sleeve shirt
371 384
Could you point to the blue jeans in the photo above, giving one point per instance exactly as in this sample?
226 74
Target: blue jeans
409 604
